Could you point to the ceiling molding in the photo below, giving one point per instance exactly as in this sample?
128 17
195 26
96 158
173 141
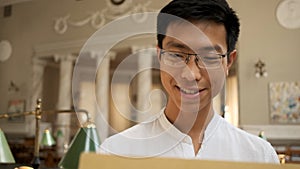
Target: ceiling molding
75 46
11 2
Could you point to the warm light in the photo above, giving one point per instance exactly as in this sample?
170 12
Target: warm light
282 158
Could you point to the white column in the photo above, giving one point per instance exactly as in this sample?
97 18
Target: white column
102 93
64 100
36 91
144 81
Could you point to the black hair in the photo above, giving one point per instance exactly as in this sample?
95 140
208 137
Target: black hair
217 11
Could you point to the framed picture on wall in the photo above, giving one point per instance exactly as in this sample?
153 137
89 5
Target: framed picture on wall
16 106
285 102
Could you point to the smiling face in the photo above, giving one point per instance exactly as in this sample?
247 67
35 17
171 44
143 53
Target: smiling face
191 88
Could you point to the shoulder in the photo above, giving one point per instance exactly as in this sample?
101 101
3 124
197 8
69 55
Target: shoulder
249 143
141 130
245 138
131 140
118 143
136 131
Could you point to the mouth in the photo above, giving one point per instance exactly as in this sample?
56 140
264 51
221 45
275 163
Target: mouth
189 92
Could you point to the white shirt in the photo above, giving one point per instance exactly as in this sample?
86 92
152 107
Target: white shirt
158 137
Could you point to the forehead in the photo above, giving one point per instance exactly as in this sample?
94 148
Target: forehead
196 36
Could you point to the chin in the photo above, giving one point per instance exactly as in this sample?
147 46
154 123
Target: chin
190 107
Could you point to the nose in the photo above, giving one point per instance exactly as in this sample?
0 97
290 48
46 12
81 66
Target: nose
191 71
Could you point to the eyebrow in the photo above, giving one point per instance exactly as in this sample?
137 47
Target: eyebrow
212 48
205 48
177 45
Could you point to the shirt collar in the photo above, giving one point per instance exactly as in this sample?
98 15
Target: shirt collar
178 135
171 129
211 127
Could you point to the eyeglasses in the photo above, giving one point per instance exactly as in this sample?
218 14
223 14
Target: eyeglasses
181 59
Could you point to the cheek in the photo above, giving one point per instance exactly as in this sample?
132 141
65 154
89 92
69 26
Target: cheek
169 74
165 80
217 78
168 80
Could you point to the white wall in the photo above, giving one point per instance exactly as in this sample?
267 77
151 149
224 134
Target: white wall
263 37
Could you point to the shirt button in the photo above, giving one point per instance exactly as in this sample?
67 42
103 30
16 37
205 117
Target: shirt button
187 140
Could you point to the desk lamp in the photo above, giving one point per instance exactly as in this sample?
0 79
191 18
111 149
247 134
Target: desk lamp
85 140
47 139
5 153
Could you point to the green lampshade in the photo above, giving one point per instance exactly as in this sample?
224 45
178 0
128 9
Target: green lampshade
5 153
59 134
85 140
47 139
262 135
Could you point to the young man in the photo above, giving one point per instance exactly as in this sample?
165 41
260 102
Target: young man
196 47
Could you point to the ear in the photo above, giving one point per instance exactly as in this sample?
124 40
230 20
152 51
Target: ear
231 58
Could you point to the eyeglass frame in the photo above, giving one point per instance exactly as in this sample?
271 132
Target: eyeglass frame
189 55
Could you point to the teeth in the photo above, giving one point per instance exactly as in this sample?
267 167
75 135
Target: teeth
187 91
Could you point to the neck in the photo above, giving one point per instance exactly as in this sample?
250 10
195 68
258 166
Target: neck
191 123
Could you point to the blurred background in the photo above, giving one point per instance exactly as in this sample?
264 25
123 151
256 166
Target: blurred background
41 41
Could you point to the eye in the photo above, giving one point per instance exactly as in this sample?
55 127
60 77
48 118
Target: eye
176 55
209 58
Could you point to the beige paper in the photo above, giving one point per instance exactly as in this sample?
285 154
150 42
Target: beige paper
97 161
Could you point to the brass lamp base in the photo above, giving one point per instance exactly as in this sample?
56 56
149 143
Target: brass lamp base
36 162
